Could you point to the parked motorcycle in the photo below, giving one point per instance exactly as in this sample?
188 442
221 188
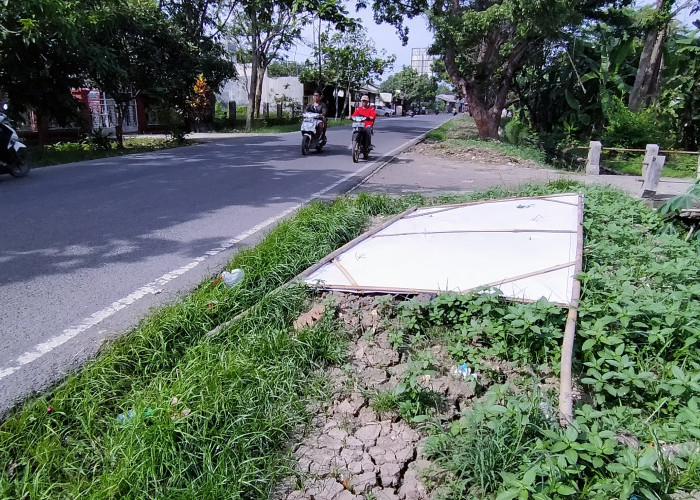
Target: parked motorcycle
360 138
12 152
309 133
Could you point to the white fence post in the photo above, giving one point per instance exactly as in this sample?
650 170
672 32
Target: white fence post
593 163
652 151
651 180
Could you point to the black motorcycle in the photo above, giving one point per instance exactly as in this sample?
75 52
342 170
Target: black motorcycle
361 138
12 152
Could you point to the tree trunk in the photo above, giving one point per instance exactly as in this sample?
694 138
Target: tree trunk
647 79
119 126
258 94
336 102
42 127
487 121
254 63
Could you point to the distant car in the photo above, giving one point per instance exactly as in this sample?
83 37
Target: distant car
382 111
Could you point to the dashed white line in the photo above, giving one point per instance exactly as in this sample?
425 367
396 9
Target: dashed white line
153 287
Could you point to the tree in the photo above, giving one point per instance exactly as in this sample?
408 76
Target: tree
348 61
646 83
137 51
41 56
280 68
269 32
682 87
271 25
413 86
484 43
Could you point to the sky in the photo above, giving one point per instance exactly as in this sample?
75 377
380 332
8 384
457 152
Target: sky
384 37
419 36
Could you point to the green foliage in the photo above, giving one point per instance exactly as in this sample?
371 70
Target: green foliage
628 129
639 326
516 132
681 94
212 414
414 87
349 60
99 140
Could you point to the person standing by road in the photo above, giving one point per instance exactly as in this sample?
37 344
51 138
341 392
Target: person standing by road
370 113
318 106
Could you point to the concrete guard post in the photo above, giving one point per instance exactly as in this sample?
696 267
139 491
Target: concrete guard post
593 163
651 180
652 151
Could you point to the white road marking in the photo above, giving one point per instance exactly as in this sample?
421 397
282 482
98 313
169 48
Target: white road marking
153 287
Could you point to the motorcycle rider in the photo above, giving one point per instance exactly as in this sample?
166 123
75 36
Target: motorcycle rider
318 106
371 114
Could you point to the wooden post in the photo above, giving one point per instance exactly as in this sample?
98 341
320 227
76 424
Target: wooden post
232 112
266 110
593 163
279 110
652 150
653 175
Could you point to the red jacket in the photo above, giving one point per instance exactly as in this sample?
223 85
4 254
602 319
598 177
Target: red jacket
367 112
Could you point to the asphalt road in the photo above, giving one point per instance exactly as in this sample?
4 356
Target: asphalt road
87 249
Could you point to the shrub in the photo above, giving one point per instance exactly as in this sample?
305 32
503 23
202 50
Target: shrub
627 129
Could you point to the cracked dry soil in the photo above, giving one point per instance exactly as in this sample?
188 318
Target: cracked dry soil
352 451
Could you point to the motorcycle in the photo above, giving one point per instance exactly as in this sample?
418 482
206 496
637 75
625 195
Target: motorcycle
12 152
360 138
309 133
410 113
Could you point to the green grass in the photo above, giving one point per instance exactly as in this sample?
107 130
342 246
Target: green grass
68 152
168 411
676 165
462 132
636 365
245 388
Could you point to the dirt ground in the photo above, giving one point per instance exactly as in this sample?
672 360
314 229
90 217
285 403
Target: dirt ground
433 168
355 450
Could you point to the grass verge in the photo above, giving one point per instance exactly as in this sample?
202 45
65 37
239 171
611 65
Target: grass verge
170 412
69 152
166 411
461 132
637 369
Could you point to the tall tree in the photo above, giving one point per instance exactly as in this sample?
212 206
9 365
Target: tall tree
414 87
42 56
348 61
137 51
484 43
682 88
271 25
270 33
646 83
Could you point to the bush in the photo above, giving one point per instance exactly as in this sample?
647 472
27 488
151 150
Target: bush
516 132
627 129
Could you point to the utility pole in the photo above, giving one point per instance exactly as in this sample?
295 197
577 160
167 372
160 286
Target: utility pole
319 50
